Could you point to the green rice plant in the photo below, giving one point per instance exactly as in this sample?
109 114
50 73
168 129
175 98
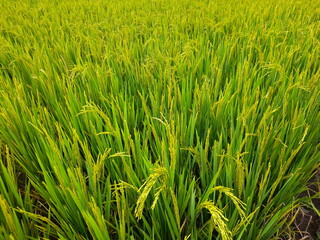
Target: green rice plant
156 119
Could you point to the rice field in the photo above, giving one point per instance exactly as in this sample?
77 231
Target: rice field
159 119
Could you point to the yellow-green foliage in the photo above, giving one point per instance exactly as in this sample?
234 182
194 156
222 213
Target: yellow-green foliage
162 119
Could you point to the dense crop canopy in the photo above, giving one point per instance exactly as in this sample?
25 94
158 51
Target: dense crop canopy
159 119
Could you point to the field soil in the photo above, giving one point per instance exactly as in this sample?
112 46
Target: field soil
307 220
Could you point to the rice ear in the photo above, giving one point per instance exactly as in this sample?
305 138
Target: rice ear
218 219
241 206
159 173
